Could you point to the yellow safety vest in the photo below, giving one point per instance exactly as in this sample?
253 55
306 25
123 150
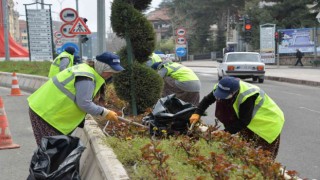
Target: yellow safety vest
155 58
55 100
55 66
267 118
179 72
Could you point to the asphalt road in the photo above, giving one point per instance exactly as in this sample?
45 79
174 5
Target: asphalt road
15 163
300 142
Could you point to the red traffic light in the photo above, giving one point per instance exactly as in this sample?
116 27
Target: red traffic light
247 27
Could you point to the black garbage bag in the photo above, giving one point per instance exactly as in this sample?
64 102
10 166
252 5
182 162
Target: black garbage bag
170 115
58 158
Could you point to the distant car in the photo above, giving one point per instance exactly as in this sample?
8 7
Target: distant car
172 57
162 56
242 65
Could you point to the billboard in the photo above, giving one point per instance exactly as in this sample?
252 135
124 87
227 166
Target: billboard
303 39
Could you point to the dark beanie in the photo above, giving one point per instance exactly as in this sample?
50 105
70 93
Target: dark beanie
70 50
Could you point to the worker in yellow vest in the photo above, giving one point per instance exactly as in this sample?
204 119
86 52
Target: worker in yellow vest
62 61
154 58
245 109
60 105
179 80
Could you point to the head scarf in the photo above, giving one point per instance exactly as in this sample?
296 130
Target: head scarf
101 67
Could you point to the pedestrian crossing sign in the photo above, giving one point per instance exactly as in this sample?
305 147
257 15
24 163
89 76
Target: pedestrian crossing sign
79 27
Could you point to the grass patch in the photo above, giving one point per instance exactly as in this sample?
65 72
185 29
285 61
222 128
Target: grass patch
40 68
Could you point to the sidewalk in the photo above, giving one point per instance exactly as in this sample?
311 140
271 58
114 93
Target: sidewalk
306 75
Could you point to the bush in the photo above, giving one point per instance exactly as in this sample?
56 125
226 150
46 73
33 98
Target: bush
147 86
128 21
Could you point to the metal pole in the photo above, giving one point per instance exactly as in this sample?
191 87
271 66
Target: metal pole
315 33
101 26
6 29
42 4
79 36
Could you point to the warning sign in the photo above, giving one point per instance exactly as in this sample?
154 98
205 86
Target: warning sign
79 27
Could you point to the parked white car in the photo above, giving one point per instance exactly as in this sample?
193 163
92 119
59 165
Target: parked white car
242 65
172 57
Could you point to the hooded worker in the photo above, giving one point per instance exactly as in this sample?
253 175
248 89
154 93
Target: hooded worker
60 105
62 61
245 109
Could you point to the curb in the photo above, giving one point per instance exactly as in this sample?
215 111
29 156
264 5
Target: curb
293 81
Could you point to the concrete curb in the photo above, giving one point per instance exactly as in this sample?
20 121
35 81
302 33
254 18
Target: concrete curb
29 83
294 81
98 161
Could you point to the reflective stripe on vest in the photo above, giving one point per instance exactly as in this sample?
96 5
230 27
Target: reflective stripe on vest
61 85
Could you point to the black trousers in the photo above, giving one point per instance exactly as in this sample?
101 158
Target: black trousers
299 62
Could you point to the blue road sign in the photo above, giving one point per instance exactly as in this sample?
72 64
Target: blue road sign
72 45
181 51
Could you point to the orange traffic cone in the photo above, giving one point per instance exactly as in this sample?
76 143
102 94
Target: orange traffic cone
5 137
15 90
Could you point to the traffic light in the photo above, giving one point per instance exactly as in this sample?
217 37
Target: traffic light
247 30
84 38
281 37
276 36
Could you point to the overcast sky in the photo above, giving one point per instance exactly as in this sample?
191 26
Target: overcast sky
87 9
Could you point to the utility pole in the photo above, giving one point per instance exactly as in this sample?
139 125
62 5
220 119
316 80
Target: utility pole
6 29
79 36
42 4
101 26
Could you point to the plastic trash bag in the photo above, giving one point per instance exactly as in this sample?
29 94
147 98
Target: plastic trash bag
170 115
58 158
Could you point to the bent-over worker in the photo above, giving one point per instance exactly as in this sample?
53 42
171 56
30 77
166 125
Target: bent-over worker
179 80
245 109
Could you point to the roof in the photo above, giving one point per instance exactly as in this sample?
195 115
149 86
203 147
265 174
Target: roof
159 14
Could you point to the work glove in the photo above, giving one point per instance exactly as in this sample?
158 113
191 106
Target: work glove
194 118
110 115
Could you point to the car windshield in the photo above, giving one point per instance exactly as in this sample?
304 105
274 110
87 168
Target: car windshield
243 58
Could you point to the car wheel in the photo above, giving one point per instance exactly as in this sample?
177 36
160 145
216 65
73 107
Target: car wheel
254 78
261 80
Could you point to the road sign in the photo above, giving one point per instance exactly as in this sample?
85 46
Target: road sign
57 34
181 32
181 40
79 27
68 15
58 42
181 51
65 30
39 34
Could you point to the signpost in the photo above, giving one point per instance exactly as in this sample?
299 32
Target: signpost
39 34
181 43
181 51
267 43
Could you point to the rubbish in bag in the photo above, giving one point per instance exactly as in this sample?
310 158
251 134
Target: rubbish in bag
169 114
57 157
